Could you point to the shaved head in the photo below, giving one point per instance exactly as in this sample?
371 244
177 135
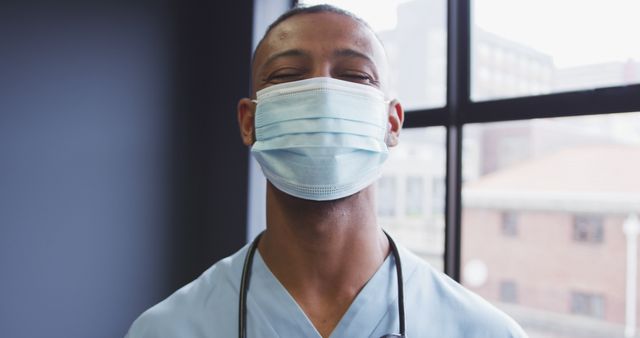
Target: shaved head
308 10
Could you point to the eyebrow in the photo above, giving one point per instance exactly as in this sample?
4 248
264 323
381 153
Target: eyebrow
286 53
347 52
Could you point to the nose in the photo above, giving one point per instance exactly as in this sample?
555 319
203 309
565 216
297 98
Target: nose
321 68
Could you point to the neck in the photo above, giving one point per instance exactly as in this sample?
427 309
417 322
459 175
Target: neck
323 253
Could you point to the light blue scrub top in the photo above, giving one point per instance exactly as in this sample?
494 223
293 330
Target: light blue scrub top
435 306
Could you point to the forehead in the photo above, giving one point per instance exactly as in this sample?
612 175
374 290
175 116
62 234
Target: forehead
320 34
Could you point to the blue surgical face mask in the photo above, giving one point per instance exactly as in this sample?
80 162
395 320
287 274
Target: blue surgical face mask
320 138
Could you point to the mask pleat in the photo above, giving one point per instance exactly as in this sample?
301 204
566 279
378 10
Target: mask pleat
320 139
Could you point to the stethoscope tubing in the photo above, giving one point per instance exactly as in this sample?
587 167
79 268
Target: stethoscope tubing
246 279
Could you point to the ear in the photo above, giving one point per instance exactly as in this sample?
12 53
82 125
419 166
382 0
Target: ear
246 117
396 118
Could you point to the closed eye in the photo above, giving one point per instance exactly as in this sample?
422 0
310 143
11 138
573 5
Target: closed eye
359 78
284 76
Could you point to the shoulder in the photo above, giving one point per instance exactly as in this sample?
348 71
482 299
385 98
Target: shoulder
448 305
194 308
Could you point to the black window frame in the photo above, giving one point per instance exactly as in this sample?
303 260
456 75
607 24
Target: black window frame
460 110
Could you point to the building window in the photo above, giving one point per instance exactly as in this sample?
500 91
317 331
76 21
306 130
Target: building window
387 196
414 197
587 304
508 291
588 228
510 224
438 191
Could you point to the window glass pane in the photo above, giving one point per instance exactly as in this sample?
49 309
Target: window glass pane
414 195
533 47
387 196
408 187
550 225
415 38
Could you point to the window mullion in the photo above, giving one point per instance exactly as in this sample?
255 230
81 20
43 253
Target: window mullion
458 91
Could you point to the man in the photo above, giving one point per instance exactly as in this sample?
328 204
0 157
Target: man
319 125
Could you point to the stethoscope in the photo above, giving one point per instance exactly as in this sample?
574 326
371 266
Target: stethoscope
246 277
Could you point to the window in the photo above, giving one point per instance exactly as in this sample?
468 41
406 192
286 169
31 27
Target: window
508 291
587 304
387 196
406 209
576 184
511 59
509 224
588 228
438 189
414 196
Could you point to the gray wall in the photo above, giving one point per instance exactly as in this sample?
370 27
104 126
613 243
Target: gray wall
122 175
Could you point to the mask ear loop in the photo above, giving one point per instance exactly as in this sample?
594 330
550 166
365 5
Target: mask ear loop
253 137
386 136
388 102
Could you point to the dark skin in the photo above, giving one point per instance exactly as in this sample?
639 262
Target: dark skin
323 253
